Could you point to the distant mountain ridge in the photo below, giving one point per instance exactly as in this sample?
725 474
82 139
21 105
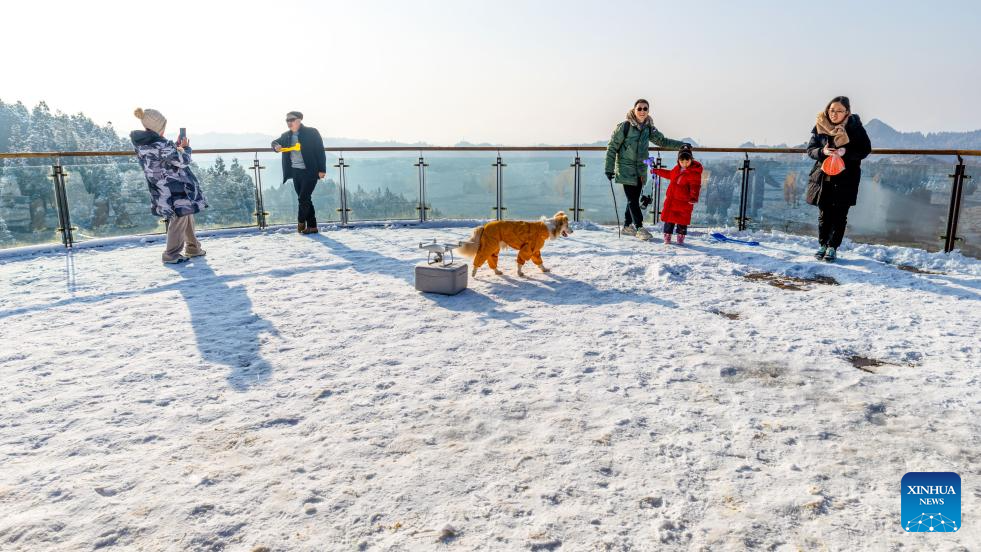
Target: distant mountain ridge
881 134
884 136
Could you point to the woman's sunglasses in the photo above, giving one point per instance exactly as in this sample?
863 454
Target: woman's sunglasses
643 108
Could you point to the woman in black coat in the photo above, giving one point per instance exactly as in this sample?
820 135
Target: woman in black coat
840 131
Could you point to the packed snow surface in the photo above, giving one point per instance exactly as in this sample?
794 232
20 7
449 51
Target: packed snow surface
293 392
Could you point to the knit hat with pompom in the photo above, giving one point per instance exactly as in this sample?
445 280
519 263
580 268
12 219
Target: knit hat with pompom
151 119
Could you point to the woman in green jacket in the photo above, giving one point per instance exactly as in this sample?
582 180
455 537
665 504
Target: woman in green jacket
625 157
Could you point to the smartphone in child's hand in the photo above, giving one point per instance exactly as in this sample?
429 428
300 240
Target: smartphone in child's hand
182 136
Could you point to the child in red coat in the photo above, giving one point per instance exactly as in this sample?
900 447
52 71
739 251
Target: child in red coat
682 194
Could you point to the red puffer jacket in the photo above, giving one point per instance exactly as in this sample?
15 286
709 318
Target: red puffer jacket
685 186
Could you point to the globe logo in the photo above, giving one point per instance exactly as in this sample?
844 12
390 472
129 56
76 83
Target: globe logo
931 522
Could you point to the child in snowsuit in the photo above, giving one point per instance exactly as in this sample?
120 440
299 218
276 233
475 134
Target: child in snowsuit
175 192
682 194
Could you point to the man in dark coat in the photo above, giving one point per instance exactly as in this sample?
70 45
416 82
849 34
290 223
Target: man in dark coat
305 162
838 131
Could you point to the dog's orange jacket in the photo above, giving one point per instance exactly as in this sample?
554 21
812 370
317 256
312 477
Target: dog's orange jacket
527 238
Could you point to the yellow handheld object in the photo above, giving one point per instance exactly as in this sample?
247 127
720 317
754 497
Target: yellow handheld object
291 148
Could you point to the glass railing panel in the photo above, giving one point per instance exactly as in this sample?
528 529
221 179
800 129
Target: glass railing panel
28 211
278 197
596 197
228 186
461 185
902 200
775 192
969 225
382 186
538 184
108 197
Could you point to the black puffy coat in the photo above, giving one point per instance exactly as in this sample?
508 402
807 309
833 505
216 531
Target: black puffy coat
841 189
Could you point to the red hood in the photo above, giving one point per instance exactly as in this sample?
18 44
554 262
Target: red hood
695 167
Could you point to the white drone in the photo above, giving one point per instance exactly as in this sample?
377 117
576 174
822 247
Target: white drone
438 250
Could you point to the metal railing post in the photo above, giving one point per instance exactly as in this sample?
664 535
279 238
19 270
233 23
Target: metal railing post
58 175
260 208
499 174
656 211
342 189
744 194
577 166
954 211
422 208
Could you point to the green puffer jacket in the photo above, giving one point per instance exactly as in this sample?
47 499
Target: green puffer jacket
628 155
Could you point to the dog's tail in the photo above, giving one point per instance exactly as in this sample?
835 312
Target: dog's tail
470 247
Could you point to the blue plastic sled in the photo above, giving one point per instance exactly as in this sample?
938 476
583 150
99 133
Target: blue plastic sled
723 238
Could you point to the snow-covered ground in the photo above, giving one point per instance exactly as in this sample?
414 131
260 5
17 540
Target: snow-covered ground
296 393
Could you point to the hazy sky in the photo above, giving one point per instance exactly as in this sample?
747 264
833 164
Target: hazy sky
511 72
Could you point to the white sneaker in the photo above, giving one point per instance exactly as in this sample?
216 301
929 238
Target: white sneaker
644 234
630 230
176 260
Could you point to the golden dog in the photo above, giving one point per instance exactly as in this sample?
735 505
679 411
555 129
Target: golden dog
527 238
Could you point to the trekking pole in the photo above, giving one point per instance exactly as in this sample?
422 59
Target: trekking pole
645 201
616 210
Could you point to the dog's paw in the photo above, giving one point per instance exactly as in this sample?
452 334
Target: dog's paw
498 272
544 268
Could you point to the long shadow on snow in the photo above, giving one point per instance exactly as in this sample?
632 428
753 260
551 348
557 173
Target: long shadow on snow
84 300
555 289
225 328
367 261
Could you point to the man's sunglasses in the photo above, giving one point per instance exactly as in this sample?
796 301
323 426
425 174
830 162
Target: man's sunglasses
291 120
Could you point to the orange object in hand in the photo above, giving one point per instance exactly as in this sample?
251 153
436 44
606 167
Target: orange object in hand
833 165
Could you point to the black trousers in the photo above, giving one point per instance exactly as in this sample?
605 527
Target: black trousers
671 228
634 214
831 224
304 183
